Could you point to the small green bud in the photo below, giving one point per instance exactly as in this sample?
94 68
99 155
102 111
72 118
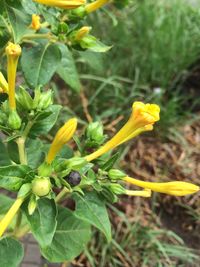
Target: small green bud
14 121
3 118
45 100
117 189
32 205
44 170
94 133
63 28
24 99
41 186
115 174
77 13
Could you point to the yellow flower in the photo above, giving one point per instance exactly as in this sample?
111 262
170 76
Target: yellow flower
142 119
63 135
95 5
175 188
35 24
13 52
82 32
65 4
10 215
139 193
3 84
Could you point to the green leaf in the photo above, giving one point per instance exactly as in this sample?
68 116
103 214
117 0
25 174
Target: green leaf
67 69
34 152
70 238
45 121
43 221
14 176
40 63
5 203
4 158
19 21
92 209
11 252
110 163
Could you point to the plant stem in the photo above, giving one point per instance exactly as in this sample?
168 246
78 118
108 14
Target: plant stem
10 215
21 148
61 195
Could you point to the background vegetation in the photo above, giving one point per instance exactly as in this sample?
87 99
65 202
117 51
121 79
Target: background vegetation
155 58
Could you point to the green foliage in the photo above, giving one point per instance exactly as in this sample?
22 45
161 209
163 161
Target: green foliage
70 238
43 221
11 252
91 208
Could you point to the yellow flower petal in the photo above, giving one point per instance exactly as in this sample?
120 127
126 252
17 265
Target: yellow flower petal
82 32
139 193
35 23
3 84
13 52
142 119
95 5
63 135
175 188
65 4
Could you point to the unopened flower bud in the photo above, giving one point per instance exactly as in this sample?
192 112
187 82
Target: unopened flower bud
32 205
117 189
94 132
41 186
35 23
14 121
24 99
115 174
45 100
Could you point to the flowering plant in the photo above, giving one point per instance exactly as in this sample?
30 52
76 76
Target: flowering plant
37 38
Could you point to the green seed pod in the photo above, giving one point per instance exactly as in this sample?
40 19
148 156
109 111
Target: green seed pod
41 186
115 174
14 121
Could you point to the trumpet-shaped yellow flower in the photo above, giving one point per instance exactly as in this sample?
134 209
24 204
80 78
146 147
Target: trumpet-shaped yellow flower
65 4
3 84
63 135
95 5
82 32
35 23
10 215
139 193
13 52
175 188
142 119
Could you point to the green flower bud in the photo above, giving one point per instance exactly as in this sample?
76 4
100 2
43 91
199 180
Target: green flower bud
94 132
117 189
41 186
14 121
63 28
115 174
45 100
77 13
45 169
32 205
24 99
3 118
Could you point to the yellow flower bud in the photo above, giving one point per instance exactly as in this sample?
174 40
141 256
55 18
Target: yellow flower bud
13 52
63 135
35 23
3 84
65 4
95 5
142 119
175 188
82 32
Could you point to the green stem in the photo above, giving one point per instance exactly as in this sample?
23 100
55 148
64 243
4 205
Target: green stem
40 36
21 148
62 194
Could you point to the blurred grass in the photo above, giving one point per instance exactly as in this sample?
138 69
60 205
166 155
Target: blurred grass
155 43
